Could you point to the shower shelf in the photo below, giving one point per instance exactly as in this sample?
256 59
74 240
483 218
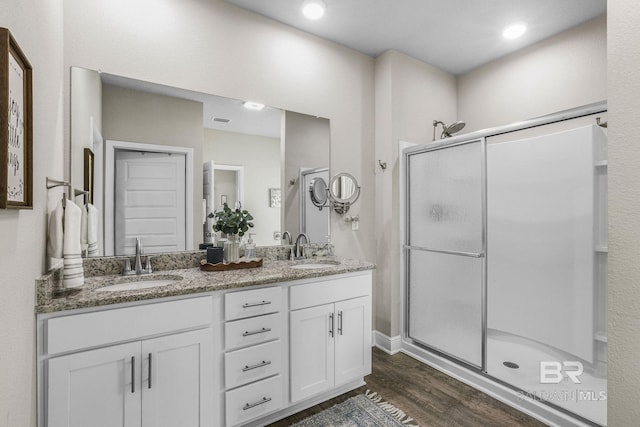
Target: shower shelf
602 249
601 163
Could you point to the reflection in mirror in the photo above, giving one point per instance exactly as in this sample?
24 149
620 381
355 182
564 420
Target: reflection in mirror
318 191
314 220
240 156
343 191
305 159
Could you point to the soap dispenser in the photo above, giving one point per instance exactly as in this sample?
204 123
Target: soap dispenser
250 248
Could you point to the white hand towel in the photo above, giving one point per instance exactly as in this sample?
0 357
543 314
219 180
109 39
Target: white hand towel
92 230
55 241
73 273
83 227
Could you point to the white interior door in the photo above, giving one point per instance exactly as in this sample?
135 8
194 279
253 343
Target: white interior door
149 201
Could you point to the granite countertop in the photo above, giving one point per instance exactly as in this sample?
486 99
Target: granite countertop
193 281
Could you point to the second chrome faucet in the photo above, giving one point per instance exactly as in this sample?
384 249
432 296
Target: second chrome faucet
296 251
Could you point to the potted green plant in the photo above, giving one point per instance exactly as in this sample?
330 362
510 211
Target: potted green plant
233 223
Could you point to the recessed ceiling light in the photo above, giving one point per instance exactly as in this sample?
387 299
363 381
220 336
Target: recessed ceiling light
514 31
253 105
313 9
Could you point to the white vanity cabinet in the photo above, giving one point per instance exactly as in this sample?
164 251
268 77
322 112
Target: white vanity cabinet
330 334
236 357
166 379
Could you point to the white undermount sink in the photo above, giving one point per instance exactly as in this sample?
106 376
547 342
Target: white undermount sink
314 265
140 282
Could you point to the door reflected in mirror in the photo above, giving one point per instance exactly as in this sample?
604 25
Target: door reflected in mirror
271 147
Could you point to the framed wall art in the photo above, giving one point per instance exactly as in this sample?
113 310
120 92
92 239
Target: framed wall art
16 126
275 197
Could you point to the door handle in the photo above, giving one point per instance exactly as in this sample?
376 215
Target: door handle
150 370
133 374
331 325
340 322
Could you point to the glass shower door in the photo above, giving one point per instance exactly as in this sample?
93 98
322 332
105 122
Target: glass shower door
445 249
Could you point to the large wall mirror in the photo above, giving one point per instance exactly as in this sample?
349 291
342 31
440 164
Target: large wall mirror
165 158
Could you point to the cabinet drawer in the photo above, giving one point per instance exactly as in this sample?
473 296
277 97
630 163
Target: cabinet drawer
328 291
252 364
253 400
238 305
255 330
73 332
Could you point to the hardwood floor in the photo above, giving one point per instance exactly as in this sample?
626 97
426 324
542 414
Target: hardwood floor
430 397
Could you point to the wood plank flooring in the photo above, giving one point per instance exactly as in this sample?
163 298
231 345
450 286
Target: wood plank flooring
430 397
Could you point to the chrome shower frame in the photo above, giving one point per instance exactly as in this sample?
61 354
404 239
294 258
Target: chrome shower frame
477 376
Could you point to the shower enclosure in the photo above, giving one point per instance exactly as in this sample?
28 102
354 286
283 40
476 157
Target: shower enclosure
504 261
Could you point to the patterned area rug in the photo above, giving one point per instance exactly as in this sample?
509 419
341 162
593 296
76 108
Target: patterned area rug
365 410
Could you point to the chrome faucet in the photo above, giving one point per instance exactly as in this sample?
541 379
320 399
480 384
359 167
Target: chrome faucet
287 236
297 249
138 253
138 263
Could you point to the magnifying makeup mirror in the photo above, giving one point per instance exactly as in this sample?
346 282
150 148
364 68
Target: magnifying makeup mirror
343 191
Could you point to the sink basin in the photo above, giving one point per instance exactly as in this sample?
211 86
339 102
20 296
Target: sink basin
135 283
314 265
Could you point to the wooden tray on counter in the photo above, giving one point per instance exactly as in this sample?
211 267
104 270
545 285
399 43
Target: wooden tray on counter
242 263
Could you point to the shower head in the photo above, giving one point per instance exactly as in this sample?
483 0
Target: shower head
447 131
453 128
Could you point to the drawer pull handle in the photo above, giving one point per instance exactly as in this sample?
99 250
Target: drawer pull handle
253 405
259 365
261 331
255 304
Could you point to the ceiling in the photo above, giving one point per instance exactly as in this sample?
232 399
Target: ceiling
453 35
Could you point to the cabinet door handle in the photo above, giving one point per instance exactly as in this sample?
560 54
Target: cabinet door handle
259 365
253 405
331 325
261 331
133 374
340 322
150 370
255 304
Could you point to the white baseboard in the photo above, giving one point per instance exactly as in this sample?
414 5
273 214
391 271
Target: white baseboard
390 345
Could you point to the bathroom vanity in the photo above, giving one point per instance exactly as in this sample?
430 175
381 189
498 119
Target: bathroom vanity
244 347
